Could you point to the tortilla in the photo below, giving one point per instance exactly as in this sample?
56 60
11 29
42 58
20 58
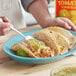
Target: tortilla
65 33
22 46
52 39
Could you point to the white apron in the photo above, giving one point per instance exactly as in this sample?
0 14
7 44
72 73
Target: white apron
13 10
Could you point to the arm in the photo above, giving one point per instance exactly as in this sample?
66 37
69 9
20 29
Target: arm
39 9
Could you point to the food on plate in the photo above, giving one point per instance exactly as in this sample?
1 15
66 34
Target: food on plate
52 41
70 38
67 71
32 48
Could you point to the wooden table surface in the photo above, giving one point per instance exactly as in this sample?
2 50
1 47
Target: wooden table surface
9 67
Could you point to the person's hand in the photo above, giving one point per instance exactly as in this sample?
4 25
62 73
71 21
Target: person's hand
43 17
63 22
4 26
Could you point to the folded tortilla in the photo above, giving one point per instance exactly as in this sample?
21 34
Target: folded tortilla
68 35
22 46
35 51
57 38
53 41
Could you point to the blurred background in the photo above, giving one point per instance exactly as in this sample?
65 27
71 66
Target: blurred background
30 19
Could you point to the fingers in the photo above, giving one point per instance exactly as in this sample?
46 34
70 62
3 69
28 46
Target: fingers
61 23
5 19
4 25
73 27
4 31
66 23
4 28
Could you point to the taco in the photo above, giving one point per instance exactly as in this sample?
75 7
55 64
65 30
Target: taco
54 40
70 38
32 48
51 43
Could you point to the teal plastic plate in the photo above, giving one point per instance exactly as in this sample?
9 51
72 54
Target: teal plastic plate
27 60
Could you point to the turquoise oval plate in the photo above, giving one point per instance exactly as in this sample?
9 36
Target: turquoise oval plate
27 60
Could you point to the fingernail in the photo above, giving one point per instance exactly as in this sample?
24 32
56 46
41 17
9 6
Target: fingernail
68 27
1 20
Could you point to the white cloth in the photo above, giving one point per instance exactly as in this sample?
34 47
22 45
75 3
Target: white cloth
13 10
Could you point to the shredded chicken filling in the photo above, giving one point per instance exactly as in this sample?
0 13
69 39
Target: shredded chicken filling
40 49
